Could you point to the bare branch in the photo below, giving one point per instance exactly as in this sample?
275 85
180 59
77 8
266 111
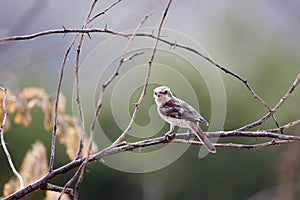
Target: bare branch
256 134
56 188
288 125
104 86
138 104
83 168
122 147
119 146
104 11
11 164
70 181
81 116
51 162
172 44
275 109
232 145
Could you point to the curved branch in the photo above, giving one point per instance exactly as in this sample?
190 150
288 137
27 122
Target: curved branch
275 109
172 44
122 147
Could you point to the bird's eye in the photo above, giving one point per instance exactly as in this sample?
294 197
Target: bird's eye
165 92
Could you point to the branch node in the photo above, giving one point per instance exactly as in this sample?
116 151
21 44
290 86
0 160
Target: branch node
88 34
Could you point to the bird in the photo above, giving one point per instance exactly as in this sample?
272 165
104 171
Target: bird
179 113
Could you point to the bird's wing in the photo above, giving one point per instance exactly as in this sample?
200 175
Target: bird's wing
181 110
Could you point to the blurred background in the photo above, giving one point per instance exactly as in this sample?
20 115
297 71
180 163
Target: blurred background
259 40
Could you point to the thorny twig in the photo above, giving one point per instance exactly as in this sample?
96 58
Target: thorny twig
122 60
11 164
172 44
87 21
83 168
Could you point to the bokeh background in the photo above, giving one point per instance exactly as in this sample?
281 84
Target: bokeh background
259 40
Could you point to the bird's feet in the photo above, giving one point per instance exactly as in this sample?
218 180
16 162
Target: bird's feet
170 136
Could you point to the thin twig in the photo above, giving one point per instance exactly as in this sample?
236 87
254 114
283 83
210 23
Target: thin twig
231 145
11 164
104 11
142 96
255 134
79 105
82 170
275 109
286 126
70 182
125 50
52 154
122 60
57 188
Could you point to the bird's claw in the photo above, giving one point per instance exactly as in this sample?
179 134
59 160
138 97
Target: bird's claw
170 136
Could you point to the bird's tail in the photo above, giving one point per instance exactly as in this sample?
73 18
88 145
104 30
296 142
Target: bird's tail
202 137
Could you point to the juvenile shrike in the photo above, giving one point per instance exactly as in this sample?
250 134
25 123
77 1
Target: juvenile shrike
178 113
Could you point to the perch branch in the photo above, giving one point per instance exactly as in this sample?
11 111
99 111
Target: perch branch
122 147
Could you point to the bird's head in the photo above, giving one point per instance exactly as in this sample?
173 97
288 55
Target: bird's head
162 94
